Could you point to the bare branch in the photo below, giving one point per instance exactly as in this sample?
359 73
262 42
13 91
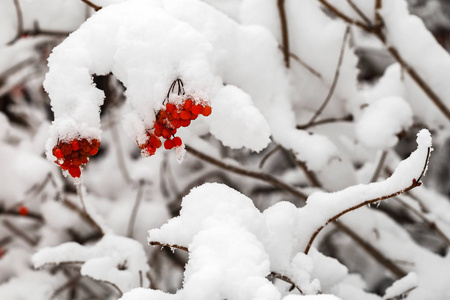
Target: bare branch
431 224
153 243
89 3
284 32
379 167
286 279
20 233
359 12
335 79
348 118
269 154
245 172
132 220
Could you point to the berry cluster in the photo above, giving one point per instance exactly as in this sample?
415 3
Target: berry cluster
71 155
169 119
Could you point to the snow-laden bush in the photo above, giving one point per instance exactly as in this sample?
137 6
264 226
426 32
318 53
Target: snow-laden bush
261 100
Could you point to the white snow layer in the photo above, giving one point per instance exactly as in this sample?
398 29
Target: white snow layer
220 226
113 259
147 45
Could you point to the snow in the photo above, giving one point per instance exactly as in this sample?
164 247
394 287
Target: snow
381 122
401 286
114 259
418 47
31 285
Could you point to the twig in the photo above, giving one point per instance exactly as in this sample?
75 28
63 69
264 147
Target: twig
69 283
286 279
20 233
80 196
269 154
153 243
245 172
348 118
401 296
132 220
335 79
119 153
310 176
378 20
19 21
379 167
431 224
305 65
5 241
284 32
112 284
414 184
359 12
82 213
89 3
376 31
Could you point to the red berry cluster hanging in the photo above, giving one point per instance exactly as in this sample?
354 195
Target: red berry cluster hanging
171 117
73 154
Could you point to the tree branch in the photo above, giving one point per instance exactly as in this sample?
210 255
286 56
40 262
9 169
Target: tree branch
414 184
132 219
89 3
335 79
284 32
245 172
376 31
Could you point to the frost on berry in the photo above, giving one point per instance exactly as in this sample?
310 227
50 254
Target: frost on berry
177 111
71 155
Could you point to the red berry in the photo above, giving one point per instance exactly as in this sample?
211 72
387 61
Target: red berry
75 145
166 133
177 141
74 171
66 149
188 104
185 123
58 153
22 210
175 123
76 162
175 114
66 164
196 109
93 151
170 107
206 110
169 144
185 115
193 117
154 141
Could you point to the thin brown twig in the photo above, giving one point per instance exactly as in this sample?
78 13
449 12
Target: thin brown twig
112 284
19 21
245 172
348 118
82 213
305 65
68 284
378 20
431 224
286 279
268 155
379 167
414 184
310 176
284 32
154 243
335 78
359 12
89 3
20 233
137 203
